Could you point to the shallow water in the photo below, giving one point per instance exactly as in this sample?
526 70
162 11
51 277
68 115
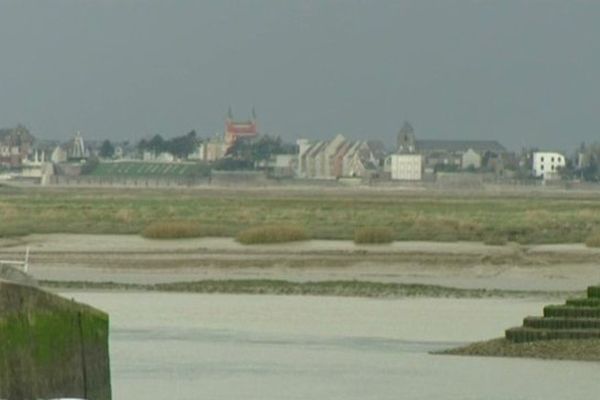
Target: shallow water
191 346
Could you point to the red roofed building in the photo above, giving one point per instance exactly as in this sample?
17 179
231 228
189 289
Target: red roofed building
235 130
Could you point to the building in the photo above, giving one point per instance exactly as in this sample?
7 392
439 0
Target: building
76 150
406 139
59 155
284 165
209 150
406 167
16 145
471 159
336 158
546 165
449 153
330 156
235 130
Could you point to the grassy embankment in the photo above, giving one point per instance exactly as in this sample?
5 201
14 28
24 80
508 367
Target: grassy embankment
327 215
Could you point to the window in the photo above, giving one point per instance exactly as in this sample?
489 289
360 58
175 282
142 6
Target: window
542 159
542 167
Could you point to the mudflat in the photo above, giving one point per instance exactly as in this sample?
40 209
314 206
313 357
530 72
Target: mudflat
133 259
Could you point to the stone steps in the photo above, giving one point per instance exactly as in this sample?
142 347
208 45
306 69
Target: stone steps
576 319
593 292
587 302
561 323
571 312
523 334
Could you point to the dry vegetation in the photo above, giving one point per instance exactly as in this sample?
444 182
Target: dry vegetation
593 240
179 230
272 234
495 240
373 235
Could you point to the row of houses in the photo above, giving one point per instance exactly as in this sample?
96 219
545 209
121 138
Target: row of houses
412 159
415 159
339 157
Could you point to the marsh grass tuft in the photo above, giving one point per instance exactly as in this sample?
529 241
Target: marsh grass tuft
373 235
496 239
179 230
593 240
272 234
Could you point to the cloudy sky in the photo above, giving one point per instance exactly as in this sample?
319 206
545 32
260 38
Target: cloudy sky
523 72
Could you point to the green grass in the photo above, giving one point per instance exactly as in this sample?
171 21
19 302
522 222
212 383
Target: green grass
373 235
272 234
328 215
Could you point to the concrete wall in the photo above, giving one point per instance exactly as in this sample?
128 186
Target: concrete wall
51 347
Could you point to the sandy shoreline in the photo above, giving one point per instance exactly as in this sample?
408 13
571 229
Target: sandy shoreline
133 259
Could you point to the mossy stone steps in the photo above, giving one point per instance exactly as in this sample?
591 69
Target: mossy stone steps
561 323
522 334
587 302
571 312
593 292
576 319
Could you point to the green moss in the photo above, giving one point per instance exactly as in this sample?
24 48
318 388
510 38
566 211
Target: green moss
48 336
50 346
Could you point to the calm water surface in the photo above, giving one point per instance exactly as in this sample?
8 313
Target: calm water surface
194 346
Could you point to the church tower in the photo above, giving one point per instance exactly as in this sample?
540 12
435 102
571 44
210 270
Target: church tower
406 139
235 130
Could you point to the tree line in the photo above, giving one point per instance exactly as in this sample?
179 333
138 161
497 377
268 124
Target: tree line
245 153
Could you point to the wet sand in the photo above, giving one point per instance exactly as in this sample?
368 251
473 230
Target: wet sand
133 259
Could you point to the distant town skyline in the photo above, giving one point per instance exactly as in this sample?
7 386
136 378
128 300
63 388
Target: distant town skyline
520 72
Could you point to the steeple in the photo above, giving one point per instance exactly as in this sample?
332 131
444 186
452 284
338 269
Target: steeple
407 128
406 139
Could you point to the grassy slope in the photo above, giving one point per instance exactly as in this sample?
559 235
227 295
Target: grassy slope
325 216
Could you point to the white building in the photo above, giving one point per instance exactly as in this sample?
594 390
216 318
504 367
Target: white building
546 164
59 155
77 150
406 167
471 159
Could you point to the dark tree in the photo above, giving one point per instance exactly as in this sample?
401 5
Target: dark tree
259 149
182 146
157 144
107 150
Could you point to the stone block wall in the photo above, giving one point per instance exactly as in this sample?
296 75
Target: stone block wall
51 347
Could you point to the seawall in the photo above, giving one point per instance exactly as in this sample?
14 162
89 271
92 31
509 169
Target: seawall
51 347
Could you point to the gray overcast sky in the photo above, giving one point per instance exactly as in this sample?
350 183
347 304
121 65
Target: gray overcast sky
522 72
